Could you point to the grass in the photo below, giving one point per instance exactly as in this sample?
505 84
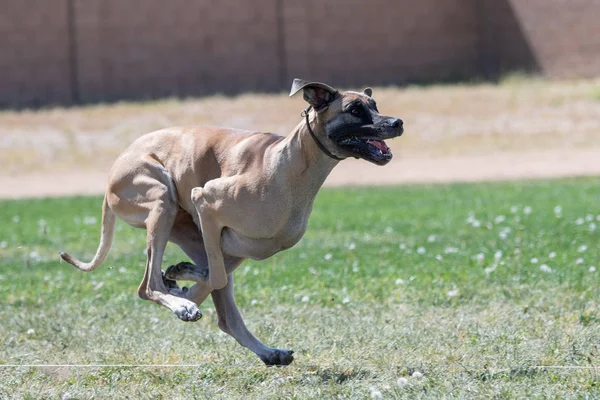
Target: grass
520 114
406 292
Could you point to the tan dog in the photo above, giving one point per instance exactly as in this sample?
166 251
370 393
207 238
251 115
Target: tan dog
224 195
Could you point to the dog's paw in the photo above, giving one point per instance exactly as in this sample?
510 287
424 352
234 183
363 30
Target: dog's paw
188 313
185 271
278 357
169 283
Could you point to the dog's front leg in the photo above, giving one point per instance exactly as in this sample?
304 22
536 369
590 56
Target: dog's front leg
204 202
231 322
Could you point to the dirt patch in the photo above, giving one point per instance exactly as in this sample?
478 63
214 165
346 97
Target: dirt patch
520 129
402 170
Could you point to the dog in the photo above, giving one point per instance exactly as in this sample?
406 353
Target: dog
225 195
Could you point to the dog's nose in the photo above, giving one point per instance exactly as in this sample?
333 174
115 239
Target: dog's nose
396 123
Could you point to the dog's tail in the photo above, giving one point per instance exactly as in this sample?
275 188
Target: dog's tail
106 240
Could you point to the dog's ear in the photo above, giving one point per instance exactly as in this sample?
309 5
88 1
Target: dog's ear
317 94
368 91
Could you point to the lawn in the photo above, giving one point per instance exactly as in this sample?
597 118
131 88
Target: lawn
463 290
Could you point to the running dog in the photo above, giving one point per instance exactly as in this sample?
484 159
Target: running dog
225 195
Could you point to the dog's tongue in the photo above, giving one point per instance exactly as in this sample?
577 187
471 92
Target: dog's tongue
380 145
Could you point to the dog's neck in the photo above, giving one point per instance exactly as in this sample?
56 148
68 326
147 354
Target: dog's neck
306 163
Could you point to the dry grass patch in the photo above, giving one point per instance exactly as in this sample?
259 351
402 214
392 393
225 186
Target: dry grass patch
441 120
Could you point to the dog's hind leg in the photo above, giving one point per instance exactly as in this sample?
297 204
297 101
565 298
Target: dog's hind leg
231 322
142 193
158 224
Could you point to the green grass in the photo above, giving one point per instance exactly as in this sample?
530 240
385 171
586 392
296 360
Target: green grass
439 280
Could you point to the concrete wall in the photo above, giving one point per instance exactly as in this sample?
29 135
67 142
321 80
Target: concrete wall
126 50
70 51
349 42
563 35
34 52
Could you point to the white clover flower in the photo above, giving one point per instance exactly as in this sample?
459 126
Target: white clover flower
421 250
402 246
417 374
439 257
545 268
346 300
552 254
592 269
452 293
499 219
431 239
389 229
253 302
558 211
514 209
3 244
34 256
16 219
351 246
476 224
527 210
402 381
498 255
582 248
399 281
579 261
450 250
592 227
30 331
579 221
89 220
479 257
589 218
305 299
534 260
489 270
375 394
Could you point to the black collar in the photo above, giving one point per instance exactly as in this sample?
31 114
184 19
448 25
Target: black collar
323 149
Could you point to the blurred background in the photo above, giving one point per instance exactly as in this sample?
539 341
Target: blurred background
470 78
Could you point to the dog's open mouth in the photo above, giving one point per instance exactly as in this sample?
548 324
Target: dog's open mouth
373 150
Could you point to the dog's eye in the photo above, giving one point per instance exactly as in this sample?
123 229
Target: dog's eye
355 111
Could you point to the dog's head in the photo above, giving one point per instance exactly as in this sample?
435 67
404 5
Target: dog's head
348 124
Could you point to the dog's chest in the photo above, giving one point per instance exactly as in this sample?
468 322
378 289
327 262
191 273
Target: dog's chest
293 231
244 244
